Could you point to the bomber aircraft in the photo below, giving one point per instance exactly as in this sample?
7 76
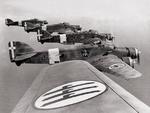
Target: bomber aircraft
63 28
30 25
75 86
48 31
85 37
35 25
117 60
56 30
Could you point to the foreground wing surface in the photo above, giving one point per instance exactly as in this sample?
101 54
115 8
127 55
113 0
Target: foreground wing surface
58 85
114 65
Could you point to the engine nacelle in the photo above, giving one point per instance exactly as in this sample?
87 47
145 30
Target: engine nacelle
129 61
134 53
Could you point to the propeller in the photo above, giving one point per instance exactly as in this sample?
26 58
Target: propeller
138 52
138 57
112 35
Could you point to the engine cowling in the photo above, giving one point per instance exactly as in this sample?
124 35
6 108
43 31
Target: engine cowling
129 61
134 53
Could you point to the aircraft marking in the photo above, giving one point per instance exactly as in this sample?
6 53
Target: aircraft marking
53 55
68 86
85 53
25 26
39 35
12 48
70 93
63 38
44 27
19 23
116 66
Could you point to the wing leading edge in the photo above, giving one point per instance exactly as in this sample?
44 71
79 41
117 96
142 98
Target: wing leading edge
114 99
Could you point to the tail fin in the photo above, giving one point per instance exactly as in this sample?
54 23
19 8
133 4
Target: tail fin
19 51
8 21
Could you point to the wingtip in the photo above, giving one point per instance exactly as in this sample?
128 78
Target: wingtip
134 75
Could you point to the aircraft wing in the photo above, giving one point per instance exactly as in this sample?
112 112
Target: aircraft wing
114 65
77 87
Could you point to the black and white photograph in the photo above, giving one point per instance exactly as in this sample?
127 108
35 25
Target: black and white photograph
74 56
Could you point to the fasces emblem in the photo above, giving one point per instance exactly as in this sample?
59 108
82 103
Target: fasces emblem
69 94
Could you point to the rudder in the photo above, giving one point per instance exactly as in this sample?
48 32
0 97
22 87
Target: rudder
19 51
8 21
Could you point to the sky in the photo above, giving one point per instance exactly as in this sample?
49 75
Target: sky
98 9
127 20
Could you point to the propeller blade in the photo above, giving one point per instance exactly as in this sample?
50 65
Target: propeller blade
138 57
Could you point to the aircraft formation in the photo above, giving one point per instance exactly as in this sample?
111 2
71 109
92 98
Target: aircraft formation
64 87
97 49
